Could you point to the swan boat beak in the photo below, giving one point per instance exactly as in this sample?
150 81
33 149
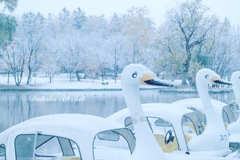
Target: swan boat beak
150 79
217 80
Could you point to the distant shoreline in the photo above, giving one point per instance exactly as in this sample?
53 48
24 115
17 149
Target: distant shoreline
192 90
53 90
9 88
188 90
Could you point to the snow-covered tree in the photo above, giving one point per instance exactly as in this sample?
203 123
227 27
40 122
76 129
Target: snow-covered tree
7 24
192 26
9 5
115 43
137 30
52 45
14 57
169 57
73 42
219 51
30 35
79 18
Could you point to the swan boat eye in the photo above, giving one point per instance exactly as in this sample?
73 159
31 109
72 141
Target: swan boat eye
207 76
134 75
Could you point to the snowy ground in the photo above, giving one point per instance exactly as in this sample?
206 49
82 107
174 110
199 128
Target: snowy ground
63 82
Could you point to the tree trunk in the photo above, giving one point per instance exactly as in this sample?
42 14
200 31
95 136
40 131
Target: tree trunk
29 69
115 72
70 77
115 77
29 75
78 76
18 78
103 75
18 74
191 81
184 80
115 66
102 78
186 65
8 74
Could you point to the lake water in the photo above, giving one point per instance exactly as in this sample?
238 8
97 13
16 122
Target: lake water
19 106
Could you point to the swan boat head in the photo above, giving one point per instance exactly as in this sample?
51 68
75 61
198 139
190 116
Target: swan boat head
133 76
136 75
207 77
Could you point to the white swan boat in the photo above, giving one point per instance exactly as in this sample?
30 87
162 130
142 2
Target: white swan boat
133 76
66 137
222 110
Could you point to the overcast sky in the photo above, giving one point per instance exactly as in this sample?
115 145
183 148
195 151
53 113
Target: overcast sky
157 8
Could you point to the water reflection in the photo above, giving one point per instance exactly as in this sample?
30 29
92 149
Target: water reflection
19 106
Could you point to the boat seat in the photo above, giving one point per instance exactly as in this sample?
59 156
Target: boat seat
226 124
188 137
192 127
170 147
204 126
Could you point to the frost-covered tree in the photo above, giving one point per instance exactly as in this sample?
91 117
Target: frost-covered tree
102 63
218 50
73 42
14 57
192 26
9 5
52 44
49 65
98 53
79 18
7 28
235 65
115 43
73 56
30 35
169 57
7 22
65 21
137 30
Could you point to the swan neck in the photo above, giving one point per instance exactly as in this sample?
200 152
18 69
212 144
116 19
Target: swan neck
132 98
211 115
204 96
